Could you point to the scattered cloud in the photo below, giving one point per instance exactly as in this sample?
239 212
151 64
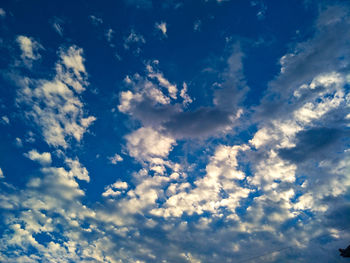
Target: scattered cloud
115 159
96 21
197 25
60 112
277 193
5 120
162 27
146 144
18 142
29 48
134 41
2 13
42 158
109 35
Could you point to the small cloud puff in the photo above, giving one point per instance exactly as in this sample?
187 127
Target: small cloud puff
5 120
29 48
162 27
115 189
96 20
42 158
1 174
2 13
115 159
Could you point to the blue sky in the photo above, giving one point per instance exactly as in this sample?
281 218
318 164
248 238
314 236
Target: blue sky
174 131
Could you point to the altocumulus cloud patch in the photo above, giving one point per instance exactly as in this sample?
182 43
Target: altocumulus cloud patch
174 131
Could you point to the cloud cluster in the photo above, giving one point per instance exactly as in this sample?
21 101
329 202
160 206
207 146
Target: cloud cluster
286 187
147 102
54 105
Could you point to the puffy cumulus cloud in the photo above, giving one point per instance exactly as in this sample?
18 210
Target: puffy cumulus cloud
147 144
49 203
146 102
162 27
77 170
1 174
29 48
282 195
115 159
115 189
218 190
54 105
42 158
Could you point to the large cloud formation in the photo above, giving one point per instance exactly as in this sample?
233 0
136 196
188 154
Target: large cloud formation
282 196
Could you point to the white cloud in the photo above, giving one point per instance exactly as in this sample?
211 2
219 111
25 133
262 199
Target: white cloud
162 27
183 94
146 144
115 159
221 179
115 189
42 158
29 48
1 174
5 120
172 89
60 112
2 13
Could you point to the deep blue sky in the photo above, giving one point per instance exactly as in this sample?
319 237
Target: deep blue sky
174 131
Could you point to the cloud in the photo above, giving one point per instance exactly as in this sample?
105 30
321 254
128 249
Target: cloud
42 158
134 41
115 159
77 170
217 190
5 120
2 13
109 34
29 48
1 174
146 144
147 103
183 94
162 27
96 20
115 189
287 187
197 25
326 52
18 142
54 104
172 89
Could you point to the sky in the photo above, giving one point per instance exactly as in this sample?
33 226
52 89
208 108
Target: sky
174 131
